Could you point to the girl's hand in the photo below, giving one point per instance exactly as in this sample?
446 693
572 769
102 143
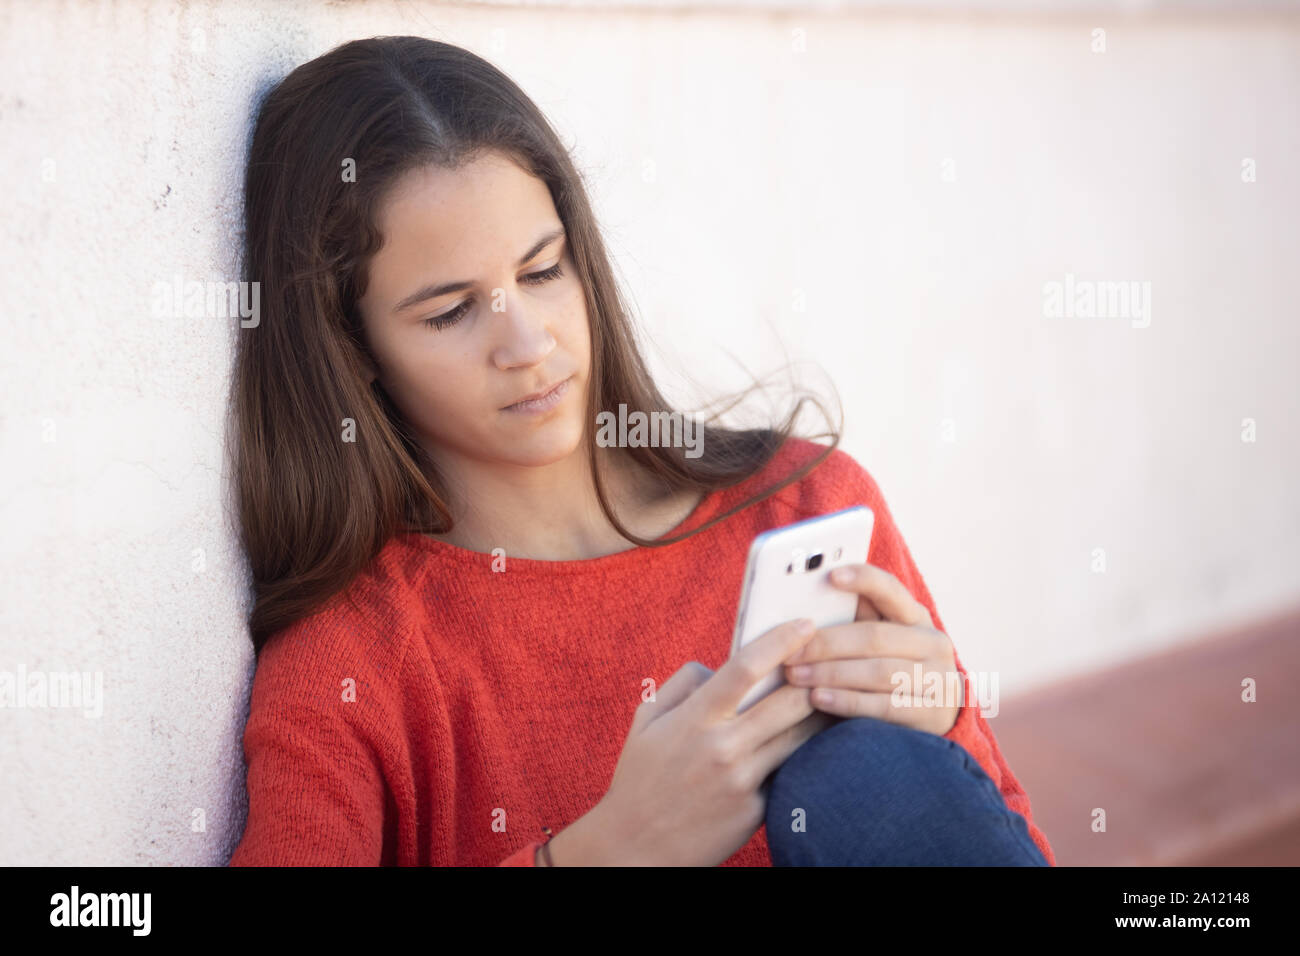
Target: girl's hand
870 668
690 787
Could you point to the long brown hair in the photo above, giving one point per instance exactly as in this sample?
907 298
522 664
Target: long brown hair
314 509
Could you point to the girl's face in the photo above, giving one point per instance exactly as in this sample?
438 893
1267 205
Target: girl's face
474 303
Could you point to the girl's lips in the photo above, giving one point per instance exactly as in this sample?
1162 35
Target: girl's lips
547 401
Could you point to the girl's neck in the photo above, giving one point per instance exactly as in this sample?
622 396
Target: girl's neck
569 526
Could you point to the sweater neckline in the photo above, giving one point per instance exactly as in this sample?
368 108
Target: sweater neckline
704 509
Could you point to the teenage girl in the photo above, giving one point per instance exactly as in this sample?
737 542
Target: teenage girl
483 635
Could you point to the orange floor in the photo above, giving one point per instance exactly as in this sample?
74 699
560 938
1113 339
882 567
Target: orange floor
1187 773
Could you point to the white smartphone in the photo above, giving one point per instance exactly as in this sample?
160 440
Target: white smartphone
787 577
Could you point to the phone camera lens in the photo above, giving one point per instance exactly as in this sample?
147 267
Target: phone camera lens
815 561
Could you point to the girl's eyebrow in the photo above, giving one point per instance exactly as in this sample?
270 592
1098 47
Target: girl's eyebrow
433 291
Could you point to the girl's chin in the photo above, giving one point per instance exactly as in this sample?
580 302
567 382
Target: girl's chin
548 443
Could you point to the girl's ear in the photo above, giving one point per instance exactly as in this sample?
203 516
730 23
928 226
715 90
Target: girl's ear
368 369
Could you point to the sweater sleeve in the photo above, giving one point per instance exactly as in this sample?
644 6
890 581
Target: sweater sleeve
524 856
971 730
319 746
316 787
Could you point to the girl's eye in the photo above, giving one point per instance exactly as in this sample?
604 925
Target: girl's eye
448 318
546 275
455 315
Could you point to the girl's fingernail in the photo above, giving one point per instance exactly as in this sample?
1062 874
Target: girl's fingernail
841 575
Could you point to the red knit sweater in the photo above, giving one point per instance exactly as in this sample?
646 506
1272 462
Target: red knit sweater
440 713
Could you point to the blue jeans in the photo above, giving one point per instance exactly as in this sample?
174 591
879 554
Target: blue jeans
873 793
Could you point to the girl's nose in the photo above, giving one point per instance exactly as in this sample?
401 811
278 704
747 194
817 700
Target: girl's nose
524 337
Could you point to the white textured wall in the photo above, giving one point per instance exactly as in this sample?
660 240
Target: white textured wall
737 177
